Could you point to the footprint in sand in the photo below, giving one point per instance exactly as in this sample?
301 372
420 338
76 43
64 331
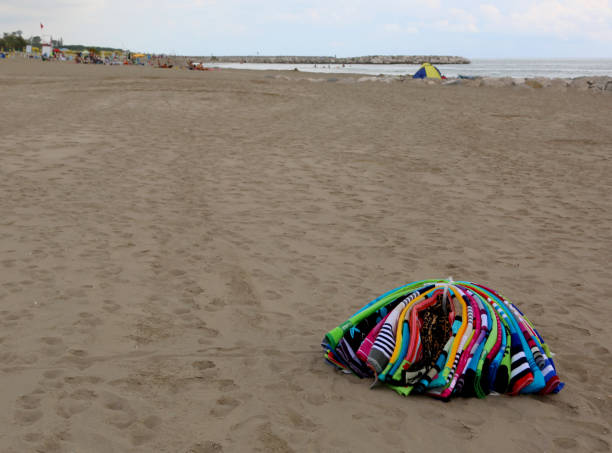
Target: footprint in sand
226 385
122 415
141 253
140 434
240 288
271 441
53 346
27 417
193 289
83 395
114 402
87 322
206 370
152 421
205 447
33 437
273 295
28 402
206 333
77 358
316 399
82 380
13 316
297 420
75 402
49 443
597 349
143 431
8 263
203 364
182 311
67 407
52 374
216 304
190 302
110 306
565 443
224 406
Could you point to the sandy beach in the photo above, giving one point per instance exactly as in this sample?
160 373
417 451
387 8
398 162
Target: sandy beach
174 245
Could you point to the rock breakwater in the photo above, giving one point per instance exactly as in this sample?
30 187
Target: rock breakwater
595 84
368 59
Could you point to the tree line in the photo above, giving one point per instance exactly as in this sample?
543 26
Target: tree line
13 41
16 41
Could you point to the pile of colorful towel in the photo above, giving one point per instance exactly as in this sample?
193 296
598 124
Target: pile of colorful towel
444 338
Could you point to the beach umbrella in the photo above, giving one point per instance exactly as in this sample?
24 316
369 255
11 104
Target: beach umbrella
444 338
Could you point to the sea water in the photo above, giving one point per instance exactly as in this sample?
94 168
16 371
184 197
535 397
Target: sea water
517 68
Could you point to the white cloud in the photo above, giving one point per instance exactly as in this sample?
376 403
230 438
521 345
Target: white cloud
397 29
556 18
349 12
392 28
457 20
491 13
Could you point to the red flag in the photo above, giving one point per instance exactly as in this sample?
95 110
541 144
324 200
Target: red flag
41 26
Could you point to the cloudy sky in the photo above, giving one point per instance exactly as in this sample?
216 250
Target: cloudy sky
471 28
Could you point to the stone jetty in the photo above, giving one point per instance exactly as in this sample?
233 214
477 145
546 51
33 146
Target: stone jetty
369 59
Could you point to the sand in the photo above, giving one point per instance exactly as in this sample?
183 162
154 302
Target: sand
174 245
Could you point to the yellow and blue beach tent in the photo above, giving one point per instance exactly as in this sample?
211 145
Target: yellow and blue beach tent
427 71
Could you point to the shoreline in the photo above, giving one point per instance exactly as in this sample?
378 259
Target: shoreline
582 83
602 84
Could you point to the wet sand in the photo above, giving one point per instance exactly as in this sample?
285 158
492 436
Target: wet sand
174 244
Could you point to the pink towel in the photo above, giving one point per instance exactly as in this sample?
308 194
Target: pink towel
366 345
